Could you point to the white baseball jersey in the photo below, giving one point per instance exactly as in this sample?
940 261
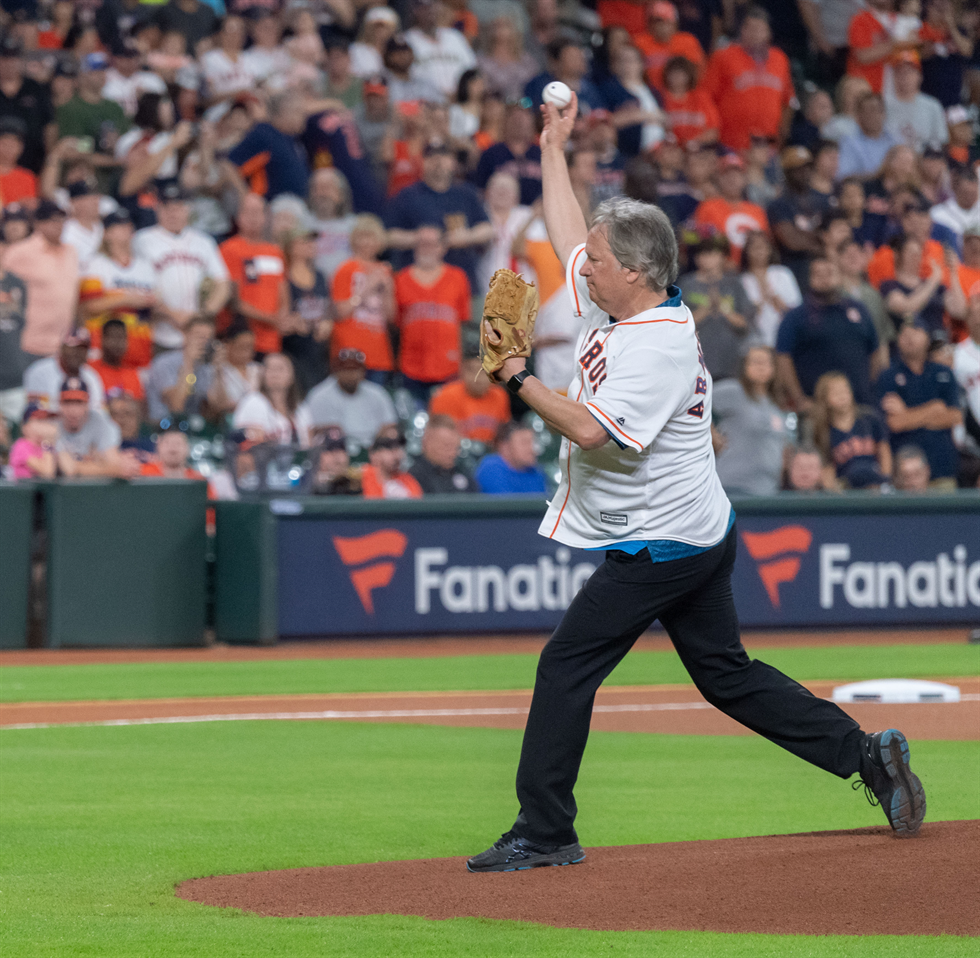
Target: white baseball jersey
103 275
181 262
44 377
644 380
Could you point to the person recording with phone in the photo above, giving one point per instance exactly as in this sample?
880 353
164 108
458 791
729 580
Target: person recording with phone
180 379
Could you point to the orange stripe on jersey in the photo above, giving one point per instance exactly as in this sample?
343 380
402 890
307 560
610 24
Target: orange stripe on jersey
578 306
611 423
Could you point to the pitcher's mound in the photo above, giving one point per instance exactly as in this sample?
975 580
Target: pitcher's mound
861 882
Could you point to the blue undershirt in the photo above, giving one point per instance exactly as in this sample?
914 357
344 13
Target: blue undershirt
663 550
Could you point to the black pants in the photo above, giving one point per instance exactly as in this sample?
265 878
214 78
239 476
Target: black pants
693 600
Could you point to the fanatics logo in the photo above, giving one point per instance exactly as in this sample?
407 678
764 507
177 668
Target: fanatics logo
383 544
777 555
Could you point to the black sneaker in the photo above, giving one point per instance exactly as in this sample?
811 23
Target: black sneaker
512 853
889 782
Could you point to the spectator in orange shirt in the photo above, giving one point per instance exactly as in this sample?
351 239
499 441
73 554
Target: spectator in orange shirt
751 85
258 272
433 302
112 372
917 224
17 185
691 114
384 476
662 41
363 294
171 459
729 212
477 406
870 42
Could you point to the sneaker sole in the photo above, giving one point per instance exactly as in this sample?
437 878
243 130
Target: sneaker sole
543 861
907 808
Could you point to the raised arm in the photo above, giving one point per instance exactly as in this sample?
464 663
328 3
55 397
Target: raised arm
562 214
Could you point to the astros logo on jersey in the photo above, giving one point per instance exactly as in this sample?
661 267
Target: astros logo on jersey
777 555
385 543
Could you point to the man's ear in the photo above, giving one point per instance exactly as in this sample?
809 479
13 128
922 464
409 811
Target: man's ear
632 275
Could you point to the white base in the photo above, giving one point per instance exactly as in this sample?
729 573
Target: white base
896 691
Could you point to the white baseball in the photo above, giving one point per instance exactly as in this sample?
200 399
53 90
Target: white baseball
558 93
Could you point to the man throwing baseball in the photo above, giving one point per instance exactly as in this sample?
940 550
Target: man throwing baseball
639 483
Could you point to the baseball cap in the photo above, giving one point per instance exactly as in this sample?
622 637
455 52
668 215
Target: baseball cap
731 161
170 191
77 337
95 61
36 410
376 85
125 48
382 15
66 67
73 389
333 438
396 44
662 11
909 58
349 358
15 211
12 126
116 218
10 46
82 188
793 157
388 442
957 114
47 210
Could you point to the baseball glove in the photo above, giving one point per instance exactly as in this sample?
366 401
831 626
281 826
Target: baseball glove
509 311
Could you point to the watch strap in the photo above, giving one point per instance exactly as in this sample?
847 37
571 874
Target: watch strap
517 380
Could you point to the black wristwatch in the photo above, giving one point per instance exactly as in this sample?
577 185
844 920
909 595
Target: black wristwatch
517 380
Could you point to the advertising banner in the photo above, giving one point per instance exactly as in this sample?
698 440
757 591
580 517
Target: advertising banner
409 575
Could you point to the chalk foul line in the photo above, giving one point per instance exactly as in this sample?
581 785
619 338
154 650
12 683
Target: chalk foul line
361 714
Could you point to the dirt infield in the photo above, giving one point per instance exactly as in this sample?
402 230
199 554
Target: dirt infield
372 648
666 709
861 882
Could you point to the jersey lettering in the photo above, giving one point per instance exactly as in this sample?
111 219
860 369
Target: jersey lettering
593 353
598 373
697 410
701 386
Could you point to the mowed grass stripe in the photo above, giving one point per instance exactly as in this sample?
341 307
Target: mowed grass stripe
452 673
100 823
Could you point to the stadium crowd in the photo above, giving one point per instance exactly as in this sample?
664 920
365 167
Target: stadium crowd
249 238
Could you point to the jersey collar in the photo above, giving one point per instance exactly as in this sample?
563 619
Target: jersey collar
673 301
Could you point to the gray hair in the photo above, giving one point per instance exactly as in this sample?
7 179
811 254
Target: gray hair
641 238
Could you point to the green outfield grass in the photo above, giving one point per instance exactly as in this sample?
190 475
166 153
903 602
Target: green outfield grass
478 672
100 823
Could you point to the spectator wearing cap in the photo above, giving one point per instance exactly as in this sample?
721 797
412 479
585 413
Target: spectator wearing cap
49 269
113 373
750 83
795 216
88 440
361 408
374 117
517 154
404 85
913 117
961 149
195 20
191 276
920 402
662 41
916 222
32 456
363 293
43 378
384 476
179 380
567 62
17 184
15 224
436 469
378 26
64 82
441 53
268 158
723 313
433 300
827 333
334 474
116 20
512 469
88 116
437 201
116 283
477 406
258 274
863 153
126 81
962 210
83 228
25 99
341 83
729 213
